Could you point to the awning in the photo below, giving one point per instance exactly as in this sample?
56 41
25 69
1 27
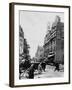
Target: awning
50 55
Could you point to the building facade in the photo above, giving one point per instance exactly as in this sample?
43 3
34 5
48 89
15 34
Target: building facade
54 41
21 43
39 54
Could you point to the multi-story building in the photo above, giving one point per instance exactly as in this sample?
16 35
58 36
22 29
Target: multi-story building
21 43
23 47
39 54
54 41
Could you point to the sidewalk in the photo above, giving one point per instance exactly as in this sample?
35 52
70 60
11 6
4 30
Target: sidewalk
50 73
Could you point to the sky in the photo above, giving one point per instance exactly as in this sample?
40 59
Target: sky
34 25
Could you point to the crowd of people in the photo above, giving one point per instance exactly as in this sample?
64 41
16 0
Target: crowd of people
27 69
30 68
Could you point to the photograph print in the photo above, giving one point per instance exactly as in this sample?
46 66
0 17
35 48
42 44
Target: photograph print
39 44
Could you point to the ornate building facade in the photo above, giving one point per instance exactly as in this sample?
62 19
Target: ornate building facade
54 41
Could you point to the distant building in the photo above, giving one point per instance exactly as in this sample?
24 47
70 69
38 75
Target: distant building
54 41
40 53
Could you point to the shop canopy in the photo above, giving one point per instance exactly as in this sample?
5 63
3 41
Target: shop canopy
50 56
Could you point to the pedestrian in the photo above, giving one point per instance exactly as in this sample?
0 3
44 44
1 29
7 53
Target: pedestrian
31 72
39 68
43 66
57 67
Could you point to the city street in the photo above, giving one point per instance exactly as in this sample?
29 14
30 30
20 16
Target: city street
49 72
39 48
